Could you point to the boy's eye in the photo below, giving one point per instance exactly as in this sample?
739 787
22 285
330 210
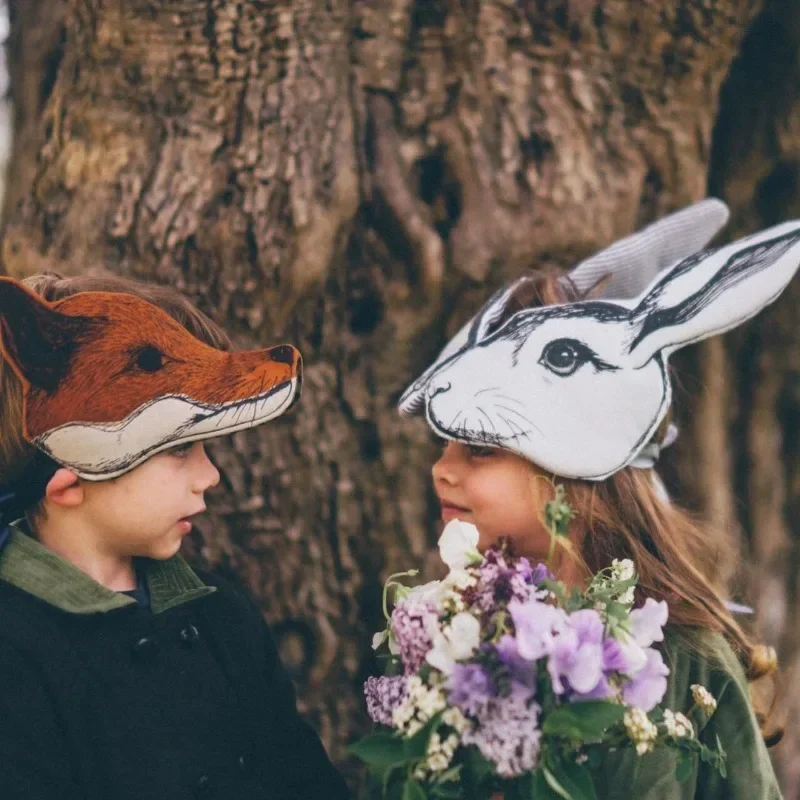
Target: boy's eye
182 450
479 451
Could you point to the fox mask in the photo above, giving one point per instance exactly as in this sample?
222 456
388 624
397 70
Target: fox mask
110 379
580 389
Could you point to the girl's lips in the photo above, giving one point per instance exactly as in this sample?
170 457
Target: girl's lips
450 511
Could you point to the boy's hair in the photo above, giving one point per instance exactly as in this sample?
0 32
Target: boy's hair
677 557
15 452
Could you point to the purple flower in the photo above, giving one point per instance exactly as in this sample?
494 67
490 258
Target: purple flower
647 622
578 656
412 624
383 696
507 732
649 685
537 625
519 668
602 691
626 657
500 583
471 688
541 573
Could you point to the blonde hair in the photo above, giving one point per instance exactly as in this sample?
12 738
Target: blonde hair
624 516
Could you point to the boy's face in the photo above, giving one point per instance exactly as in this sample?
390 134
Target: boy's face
147 511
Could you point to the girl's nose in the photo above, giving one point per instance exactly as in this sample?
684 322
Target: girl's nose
445 470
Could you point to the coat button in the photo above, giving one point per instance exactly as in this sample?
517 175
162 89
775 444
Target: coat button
144 648
189 634
204 787
244 763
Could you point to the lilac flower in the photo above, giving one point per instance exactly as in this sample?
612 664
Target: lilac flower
500 582
471 688
537 625
648 687
508 732
412 627
602 691
647 622
383 696
578 654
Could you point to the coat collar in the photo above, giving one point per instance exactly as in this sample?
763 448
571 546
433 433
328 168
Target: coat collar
28 565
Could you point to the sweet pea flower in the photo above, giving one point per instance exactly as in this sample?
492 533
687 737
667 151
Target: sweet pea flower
647 689
458 545
646 622
537 625
457 642
578 653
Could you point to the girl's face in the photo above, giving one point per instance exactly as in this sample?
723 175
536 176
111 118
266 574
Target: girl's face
499 492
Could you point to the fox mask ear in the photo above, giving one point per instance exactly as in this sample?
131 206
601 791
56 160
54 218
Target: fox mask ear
37 341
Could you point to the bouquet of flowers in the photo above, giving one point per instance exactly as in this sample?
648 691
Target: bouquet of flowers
500 680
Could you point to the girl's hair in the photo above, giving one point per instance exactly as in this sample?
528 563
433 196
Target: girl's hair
676 556
15 452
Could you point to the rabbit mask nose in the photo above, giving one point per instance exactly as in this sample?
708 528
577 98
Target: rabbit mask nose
438 387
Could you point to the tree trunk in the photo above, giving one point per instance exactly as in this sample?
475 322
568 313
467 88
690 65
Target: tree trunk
356 177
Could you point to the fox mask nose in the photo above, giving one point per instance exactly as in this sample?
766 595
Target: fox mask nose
283 354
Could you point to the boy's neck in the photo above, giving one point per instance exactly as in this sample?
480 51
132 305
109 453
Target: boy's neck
83 549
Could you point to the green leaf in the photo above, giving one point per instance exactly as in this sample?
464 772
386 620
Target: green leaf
540 789
413 791
684 767
555 784
380 750
417 746
576 779
581 721
723 757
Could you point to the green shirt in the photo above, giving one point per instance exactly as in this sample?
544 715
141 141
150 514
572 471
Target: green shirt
705 658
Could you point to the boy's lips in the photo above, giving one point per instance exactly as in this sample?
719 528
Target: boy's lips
186 522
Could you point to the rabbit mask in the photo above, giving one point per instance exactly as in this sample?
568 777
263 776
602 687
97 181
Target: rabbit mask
579 389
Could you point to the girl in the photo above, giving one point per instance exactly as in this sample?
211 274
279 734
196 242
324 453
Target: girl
506 446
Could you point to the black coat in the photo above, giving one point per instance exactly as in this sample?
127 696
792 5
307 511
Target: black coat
128 704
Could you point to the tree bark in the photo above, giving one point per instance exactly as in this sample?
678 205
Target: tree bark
356 177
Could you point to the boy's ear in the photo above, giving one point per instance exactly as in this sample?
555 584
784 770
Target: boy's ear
65 489
36 340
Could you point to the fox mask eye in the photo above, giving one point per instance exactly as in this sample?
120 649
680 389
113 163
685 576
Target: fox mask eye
149 359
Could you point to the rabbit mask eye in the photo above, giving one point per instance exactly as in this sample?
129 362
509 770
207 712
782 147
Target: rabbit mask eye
565 357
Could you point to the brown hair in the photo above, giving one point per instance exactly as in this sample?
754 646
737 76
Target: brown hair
15 452
676 555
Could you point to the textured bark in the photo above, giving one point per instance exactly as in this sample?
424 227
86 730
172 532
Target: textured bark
356 177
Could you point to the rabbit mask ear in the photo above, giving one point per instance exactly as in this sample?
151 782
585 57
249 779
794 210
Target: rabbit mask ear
713 292
580 388
632 263
412 400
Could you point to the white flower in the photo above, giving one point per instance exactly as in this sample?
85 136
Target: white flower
678 725
704 698
640 729
622 570
428 594
379 638
455 643
455 719
458 544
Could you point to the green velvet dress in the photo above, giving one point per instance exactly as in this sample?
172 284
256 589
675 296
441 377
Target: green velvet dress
707 659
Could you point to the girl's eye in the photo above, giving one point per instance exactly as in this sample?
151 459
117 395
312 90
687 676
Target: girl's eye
478 451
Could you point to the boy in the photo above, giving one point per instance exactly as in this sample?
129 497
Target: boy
124 675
